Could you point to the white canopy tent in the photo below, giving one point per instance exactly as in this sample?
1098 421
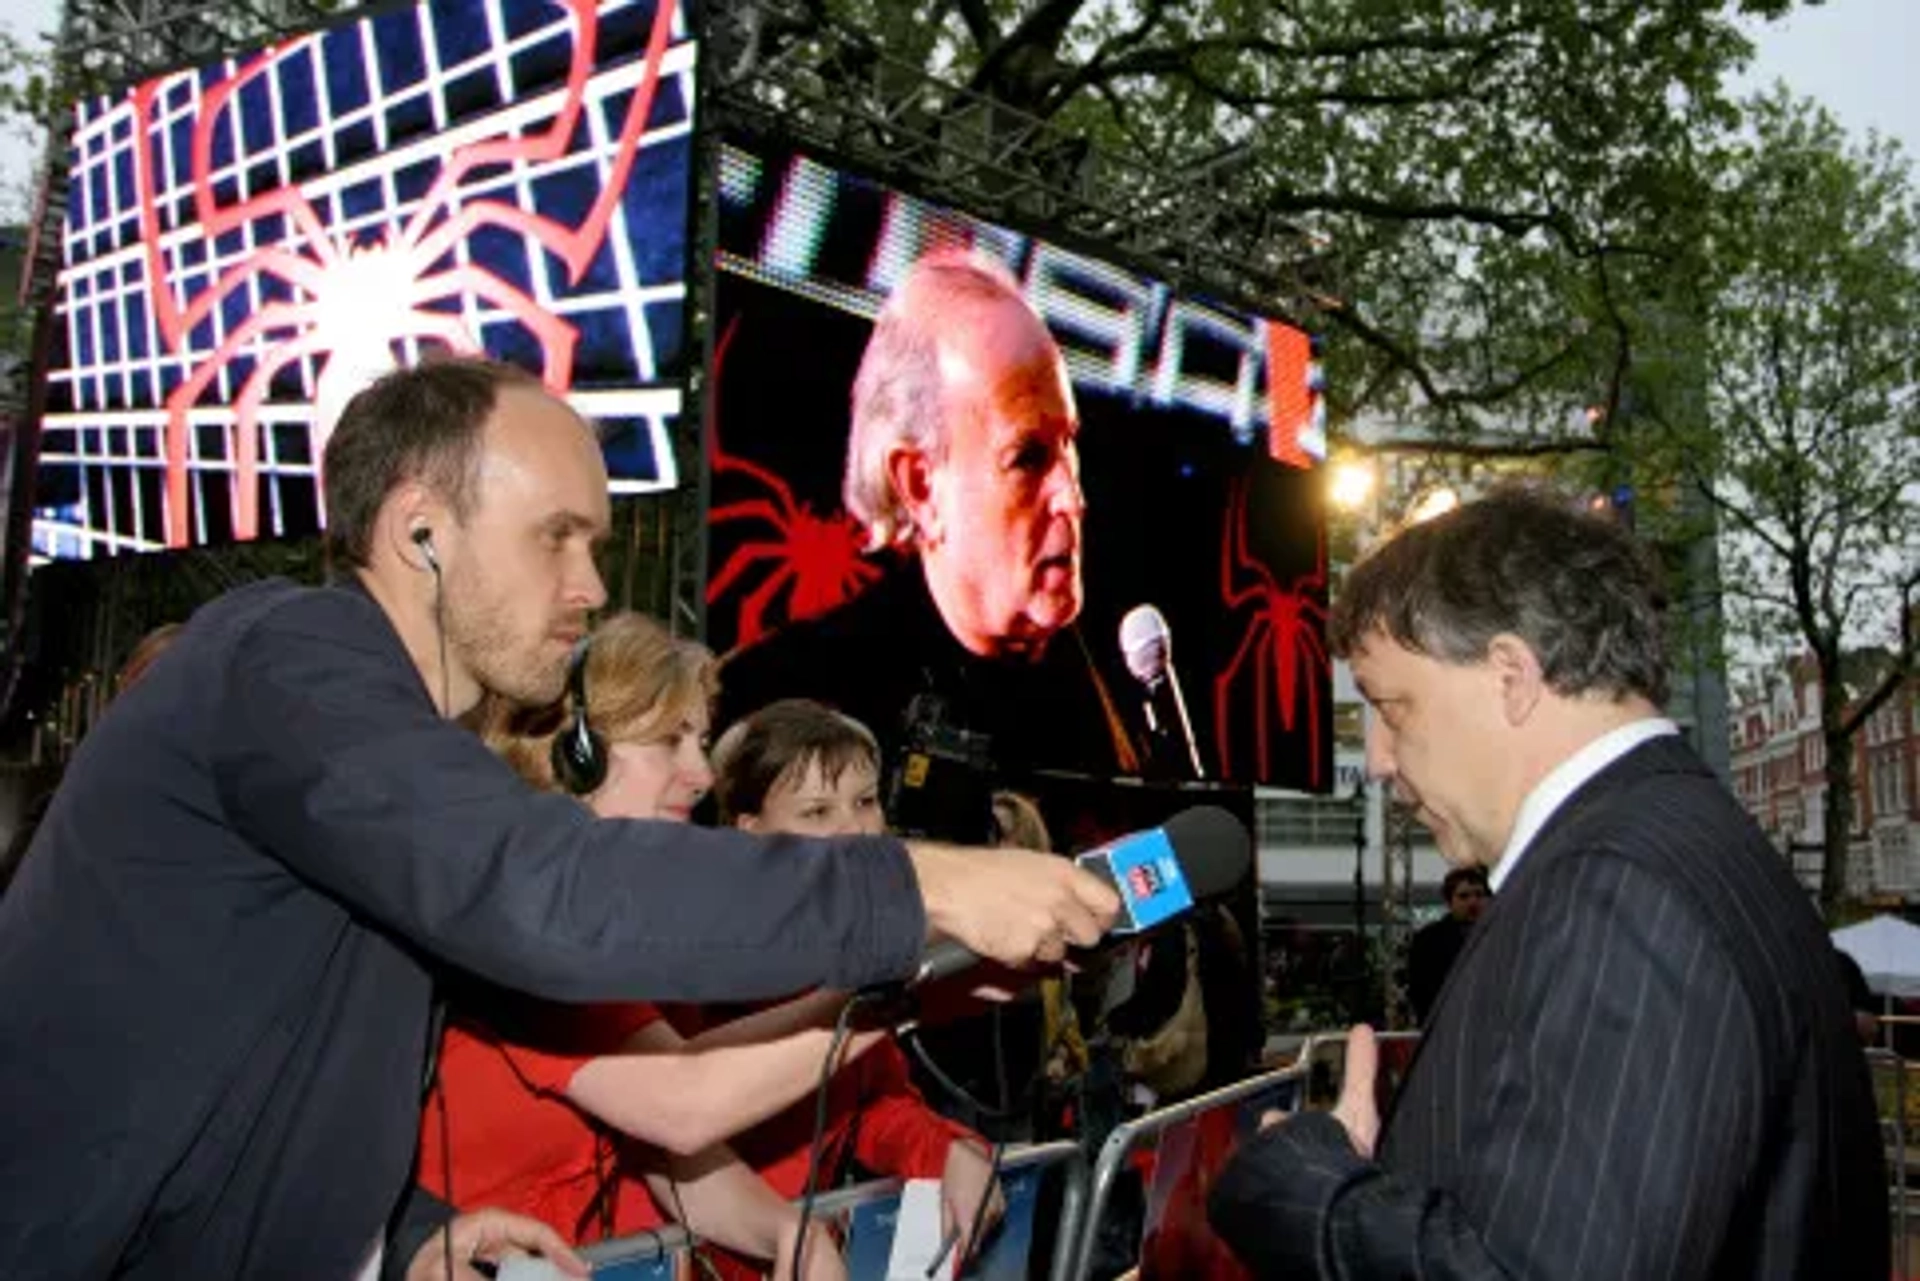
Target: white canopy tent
1888 950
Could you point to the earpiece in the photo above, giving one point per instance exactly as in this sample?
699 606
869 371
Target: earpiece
423 539
579 754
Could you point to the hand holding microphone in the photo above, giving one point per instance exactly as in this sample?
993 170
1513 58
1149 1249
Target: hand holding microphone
1011 906
1122 888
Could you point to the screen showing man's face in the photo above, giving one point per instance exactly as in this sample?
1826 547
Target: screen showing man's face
1006 496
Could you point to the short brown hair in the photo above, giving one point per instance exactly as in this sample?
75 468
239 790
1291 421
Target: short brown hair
779 740
641 683
1456 877
422 424
1576 587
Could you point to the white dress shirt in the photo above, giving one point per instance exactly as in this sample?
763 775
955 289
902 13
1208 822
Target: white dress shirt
1551 792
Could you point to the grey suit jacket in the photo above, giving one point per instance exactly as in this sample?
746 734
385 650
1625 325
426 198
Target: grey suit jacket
1642 1066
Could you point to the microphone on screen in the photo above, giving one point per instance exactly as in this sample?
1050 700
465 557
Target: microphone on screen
1159 874
1146 642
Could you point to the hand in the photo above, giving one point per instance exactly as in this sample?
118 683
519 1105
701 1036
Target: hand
1011 906
1355 1110
822 1261
489 1236
966 1179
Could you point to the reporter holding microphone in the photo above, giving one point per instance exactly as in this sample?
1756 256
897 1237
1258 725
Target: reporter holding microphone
218 959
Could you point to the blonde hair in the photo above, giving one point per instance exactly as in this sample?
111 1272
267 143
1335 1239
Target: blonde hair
641 683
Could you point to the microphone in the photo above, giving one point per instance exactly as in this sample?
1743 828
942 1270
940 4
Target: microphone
1159 873
1147 644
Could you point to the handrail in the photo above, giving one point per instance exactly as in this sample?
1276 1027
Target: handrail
646 1247
1073 1256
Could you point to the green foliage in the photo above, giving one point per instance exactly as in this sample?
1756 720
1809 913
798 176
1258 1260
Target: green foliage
1785 392
1478 191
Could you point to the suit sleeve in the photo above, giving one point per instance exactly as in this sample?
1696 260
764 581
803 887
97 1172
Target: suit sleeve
1613 1139
332 760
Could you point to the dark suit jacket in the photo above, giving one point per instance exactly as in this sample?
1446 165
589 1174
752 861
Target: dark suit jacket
872 655
1643 1065
216 963
1430 959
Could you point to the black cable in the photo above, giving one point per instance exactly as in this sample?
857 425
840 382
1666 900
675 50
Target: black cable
700 1261
972 1239
841 1027
433 1049
910 1037
446 1170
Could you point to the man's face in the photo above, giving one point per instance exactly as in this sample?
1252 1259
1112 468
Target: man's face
519 573
1468 900
1438 736
1001 526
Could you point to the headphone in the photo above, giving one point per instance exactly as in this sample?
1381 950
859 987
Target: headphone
579 755
423 539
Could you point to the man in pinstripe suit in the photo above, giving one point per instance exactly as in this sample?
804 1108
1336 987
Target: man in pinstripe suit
1642 1064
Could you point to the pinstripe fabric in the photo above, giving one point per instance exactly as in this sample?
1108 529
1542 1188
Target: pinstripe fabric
1642 1065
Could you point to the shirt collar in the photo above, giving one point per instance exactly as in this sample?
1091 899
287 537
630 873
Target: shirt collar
1566 778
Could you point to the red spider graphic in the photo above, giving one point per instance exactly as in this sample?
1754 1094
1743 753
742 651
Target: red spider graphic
1282 645
343 291
817 557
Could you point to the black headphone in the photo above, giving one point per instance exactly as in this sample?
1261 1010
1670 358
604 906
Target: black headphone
579 754
423 539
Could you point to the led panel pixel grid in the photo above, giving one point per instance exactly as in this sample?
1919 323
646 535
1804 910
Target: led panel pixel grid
249 243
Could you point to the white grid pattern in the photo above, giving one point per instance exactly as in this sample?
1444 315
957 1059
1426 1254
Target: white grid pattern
96 395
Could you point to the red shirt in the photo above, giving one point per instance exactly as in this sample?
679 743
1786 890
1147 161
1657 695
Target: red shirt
499 1113
874 1113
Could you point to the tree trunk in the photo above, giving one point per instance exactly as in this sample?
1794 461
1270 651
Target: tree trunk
1836 819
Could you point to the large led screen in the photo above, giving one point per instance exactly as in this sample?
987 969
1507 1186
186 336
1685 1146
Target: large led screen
250 242
1177 473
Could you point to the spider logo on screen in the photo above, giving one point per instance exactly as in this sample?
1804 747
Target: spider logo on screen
1282 655
347 302
791 562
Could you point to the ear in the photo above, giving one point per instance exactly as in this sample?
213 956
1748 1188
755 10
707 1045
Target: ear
747 822
1516 669
410 507
911 475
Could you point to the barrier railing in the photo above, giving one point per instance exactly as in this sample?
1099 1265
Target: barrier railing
1291 1088
652 1256
1073 1256
1890 1091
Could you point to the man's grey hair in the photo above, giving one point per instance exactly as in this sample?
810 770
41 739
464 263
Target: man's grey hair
897 393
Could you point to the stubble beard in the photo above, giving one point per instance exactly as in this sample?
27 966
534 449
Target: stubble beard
481 638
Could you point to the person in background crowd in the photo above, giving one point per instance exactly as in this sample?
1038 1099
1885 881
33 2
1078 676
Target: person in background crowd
535 1104
798 767
1644 1064
1431 954
1866 1006
217 961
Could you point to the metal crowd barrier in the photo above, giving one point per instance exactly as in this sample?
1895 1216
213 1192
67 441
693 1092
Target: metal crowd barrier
1073 1256
1890 1091
650 1255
